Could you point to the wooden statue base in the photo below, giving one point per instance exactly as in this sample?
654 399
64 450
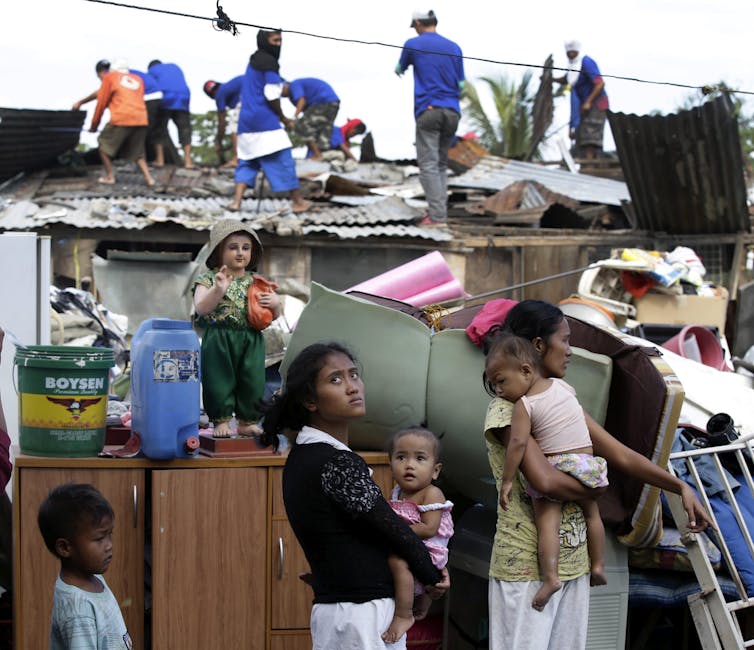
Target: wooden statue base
234 447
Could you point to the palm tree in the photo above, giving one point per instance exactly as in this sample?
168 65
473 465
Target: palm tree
509 132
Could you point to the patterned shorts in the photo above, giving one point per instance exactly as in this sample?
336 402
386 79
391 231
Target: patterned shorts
590 470
315 125
591 128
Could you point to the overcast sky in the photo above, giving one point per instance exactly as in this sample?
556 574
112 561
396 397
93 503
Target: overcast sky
49 48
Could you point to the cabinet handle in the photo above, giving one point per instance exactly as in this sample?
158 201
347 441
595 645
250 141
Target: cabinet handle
280 545
136 508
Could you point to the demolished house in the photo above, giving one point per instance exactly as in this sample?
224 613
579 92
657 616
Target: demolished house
516 230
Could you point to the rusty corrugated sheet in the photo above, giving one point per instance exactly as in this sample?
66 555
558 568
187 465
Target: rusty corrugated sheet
543 108
684 171
494 174
33 139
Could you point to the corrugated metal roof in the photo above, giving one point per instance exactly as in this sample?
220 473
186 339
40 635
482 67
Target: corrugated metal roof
388 216
388 230
684 171
33 139
494 174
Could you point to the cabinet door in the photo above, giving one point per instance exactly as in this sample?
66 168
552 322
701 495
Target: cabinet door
291 602
209 558
36 568
298 641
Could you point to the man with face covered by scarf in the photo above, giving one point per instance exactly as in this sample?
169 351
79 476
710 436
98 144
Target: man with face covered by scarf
262 140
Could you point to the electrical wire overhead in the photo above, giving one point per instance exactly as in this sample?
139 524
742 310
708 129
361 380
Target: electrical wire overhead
223 23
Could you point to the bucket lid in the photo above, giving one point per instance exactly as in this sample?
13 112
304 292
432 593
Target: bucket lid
65 356
170 324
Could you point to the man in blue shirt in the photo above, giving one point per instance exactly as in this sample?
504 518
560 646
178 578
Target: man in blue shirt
318 105
438 81
589 103
227 98
174 106
263 143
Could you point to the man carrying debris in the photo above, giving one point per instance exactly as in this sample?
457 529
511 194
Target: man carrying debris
125 133
589 101
438 81
317 107
227 98
174 106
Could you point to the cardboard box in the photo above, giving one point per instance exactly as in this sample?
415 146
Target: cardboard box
683 309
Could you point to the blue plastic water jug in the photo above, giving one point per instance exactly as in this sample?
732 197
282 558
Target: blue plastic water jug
165 385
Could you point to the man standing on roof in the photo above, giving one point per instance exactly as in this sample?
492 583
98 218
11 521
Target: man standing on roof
318 105
227 98
438 81
263 143
152 97
123 94
589 103
174 106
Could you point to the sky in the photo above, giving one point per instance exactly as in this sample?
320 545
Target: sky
48 49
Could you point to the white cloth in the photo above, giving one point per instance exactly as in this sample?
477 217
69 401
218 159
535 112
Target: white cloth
515 624
572 46
353 626
574 69
261 143
309 435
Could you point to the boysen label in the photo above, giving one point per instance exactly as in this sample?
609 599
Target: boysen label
76 384
63 412
176 365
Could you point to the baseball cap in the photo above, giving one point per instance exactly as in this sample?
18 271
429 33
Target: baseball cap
210 87
422 14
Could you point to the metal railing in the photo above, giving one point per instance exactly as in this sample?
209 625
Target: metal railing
715 618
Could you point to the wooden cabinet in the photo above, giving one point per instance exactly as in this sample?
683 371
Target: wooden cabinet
36 568
208 558
222 561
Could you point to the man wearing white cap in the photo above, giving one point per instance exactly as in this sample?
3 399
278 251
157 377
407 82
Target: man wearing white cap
438 80
589 103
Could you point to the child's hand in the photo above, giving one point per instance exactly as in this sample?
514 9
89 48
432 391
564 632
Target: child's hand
269 300
505 494
222 279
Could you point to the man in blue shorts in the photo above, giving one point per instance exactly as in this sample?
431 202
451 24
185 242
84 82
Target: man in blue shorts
227 98
262 140
438 81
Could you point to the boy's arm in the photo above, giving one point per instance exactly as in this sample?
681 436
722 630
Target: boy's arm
430 520
514 454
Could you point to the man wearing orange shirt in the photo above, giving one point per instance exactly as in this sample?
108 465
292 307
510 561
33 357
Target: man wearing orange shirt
123 94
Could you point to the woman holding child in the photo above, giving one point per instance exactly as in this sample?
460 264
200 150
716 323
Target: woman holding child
514 569
344 525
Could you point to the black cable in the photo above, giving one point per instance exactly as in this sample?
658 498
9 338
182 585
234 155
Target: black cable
706 88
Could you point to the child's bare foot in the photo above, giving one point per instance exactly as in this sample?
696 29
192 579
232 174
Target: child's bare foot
222 430
302 206
598 576
398 627
234 207
544 593
248 429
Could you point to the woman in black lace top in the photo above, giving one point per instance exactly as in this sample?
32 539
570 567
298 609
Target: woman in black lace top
343 523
